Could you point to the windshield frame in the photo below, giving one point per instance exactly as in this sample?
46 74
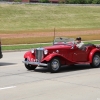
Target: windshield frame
64 41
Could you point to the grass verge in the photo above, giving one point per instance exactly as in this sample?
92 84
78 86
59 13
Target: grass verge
20 47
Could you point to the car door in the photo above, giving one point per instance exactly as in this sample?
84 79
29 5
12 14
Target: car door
79 55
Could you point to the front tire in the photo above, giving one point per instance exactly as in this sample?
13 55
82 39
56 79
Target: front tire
96 61
30 67
54 65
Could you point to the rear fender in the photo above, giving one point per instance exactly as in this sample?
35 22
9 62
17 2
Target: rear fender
92 54
29 56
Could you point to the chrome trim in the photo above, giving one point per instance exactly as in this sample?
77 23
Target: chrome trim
55 64
39 54
35 63
96 60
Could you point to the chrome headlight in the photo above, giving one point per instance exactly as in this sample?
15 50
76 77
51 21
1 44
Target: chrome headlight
45 52
32 51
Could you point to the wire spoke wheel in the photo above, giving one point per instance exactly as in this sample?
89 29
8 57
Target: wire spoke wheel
96 60
54 65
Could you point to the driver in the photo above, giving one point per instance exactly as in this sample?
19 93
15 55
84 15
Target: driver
79 43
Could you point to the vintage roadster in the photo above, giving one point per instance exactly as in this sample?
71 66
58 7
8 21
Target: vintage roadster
63 52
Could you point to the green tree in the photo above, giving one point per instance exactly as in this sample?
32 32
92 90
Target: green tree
44 1
83 1
95 1
73 1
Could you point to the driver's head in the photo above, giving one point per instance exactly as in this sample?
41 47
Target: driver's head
78 39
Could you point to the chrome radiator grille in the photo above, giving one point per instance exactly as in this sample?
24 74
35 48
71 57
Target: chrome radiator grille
39 54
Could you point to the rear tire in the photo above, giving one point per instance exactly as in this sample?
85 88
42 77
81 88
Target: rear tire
96 61
54 65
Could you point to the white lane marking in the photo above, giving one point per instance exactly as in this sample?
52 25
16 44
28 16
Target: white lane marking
7 87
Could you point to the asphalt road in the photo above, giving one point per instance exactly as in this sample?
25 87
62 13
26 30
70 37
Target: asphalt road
72 83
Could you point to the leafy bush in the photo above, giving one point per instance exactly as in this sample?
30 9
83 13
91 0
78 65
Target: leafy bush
62 1
83 1
17 0
44 1
95 1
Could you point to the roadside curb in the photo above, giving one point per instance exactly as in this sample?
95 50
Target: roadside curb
20 50
4 51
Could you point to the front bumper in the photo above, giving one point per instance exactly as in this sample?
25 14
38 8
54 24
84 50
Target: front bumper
34 63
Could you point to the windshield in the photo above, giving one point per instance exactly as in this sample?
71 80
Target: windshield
63 41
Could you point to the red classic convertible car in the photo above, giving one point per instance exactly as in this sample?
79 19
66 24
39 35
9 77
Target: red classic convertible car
63 52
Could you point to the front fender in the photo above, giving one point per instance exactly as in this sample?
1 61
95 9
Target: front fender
50 56
64 61
92 54
29 56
